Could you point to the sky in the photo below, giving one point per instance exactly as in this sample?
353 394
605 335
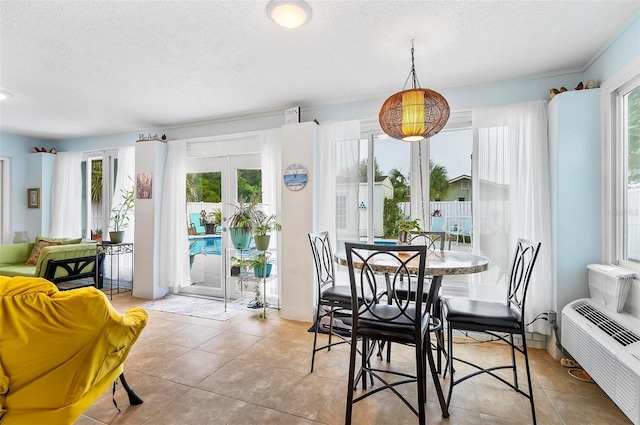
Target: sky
452 149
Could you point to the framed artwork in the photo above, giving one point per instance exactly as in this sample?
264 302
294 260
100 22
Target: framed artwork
33 197
143 185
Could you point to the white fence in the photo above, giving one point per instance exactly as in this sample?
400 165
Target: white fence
455 212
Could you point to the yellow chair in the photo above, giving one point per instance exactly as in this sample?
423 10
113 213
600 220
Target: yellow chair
59 351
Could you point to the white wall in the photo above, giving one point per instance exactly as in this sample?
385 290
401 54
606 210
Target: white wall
17 149
295 263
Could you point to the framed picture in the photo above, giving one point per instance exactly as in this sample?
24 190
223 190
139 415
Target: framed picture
143 184
33 197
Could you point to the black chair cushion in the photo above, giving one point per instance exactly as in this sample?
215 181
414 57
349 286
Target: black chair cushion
400 329
470 314
340 294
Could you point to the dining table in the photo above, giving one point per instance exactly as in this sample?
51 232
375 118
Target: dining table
438 263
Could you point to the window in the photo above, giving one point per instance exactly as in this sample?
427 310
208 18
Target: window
621 224
341 212
630 178
464 185
97 168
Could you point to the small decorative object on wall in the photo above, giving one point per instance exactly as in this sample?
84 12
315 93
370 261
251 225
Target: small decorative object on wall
33 197
143 185
590 85
292 115
295 177
580 86
143 138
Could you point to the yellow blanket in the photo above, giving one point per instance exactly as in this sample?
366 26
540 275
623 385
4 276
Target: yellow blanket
58 350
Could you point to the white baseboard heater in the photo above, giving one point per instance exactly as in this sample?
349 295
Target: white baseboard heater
606 343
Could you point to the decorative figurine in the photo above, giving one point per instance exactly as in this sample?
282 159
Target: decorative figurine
552 93
580 86
36 150
164 137
563 89
53 150
590 84
43 150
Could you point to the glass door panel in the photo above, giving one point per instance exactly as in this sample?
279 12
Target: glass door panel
214 186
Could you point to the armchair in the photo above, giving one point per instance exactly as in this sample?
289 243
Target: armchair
60 350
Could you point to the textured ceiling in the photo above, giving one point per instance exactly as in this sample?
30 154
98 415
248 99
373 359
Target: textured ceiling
98 67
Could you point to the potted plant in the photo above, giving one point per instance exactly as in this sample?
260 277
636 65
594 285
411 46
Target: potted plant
261 264
242 222
405 226
210 220
237 265
263 226
120 215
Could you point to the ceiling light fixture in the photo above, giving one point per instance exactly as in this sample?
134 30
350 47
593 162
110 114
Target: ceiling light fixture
289 14
414 114
4 95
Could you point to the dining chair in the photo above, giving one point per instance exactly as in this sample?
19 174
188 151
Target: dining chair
496 319
433 241
331 298
403 321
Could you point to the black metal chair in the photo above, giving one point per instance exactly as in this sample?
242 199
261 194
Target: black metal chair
403 321
496 319
433 241
331 298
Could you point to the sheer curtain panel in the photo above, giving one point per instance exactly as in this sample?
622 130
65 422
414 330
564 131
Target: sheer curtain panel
511 199
124 182
66 196
270 147
174 238
338 184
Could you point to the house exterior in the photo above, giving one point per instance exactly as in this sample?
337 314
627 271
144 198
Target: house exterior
382 189
459 189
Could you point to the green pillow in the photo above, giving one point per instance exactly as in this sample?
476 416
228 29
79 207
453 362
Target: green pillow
63 241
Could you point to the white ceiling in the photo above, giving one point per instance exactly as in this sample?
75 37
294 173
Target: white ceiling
85 68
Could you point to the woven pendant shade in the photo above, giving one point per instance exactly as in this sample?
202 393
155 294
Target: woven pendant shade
414 114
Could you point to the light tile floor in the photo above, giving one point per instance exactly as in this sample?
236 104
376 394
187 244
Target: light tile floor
245 370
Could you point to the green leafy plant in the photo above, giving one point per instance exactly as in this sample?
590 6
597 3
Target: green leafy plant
120 213
266 224
245 215
212 217
260 260
407 225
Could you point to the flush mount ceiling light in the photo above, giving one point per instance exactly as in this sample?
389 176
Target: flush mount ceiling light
4 95
414 114
289 14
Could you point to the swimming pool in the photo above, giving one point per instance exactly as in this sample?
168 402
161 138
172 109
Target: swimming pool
208 245
382 242
211 245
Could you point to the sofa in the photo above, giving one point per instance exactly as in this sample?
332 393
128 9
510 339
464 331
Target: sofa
59 350
71 259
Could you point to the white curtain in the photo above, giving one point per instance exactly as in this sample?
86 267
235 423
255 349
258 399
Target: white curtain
511 199
125 178
174 238
270 148
337 182
66 196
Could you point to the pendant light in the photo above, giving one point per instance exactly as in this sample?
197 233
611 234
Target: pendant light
414 114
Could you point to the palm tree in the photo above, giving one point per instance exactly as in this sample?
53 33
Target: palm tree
439 181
